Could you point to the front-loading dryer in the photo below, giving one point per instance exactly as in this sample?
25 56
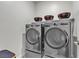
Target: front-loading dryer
33 41
58 40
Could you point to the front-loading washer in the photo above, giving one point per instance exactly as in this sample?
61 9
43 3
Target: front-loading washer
58 41
33 41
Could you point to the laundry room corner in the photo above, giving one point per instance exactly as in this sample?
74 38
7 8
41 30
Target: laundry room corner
42 8
32 29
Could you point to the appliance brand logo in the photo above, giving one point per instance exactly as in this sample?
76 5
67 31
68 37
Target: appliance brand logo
64 23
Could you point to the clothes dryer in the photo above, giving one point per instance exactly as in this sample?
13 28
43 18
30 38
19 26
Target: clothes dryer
58 41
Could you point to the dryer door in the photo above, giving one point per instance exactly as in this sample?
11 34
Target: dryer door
32 36
56 38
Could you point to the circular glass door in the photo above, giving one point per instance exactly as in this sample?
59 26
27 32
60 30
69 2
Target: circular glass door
32 36
56 38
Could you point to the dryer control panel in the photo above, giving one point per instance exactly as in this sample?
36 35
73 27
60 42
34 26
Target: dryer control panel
55 24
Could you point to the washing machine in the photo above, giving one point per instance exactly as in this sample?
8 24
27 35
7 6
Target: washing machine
58 39
33 41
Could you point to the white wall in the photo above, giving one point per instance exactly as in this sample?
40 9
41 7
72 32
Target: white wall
52 8
13 17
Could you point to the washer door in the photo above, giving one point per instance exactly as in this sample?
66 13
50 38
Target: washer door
32 36
56 38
